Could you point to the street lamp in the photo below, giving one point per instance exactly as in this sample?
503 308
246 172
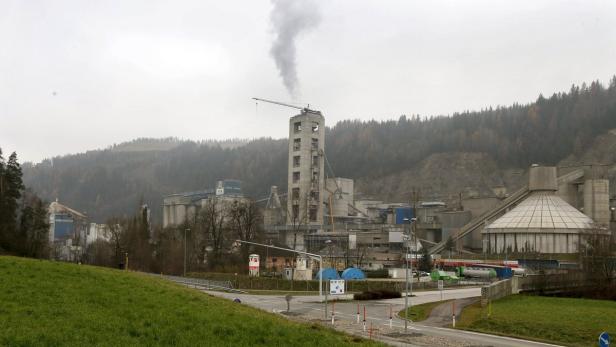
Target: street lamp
185 230
406 263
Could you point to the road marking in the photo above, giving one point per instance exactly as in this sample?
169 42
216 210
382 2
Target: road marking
463 332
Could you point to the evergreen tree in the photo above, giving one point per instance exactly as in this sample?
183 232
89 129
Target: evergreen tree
425 262
33 237
11 186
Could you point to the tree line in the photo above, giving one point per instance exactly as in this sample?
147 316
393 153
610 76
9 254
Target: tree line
113 180
206 238
24 227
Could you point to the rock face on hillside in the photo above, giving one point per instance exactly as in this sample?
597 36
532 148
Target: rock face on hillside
601 154
444 176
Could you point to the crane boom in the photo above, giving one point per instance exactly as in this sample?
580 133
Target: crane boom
282 104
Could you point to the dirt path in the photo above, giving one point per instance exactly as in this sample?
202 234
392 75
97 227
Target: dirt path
441 314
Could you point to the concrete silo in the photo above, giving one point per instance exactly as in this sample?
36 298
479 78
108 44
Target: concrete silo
543 222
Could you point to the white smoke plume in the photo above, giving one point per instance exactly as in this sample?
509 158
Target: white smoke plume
290 18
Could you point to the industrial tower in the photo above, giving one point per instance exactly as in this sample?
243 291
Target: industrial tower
306 169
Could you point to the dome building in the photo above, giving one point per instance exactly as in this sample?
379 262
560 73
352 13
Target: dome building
543 222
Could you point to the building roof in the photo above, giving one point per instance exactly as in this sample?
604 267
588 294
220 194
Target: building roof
543 210
56 207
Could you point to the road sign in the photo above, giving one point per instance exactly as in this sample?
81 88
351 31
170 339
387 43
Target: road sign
440 284
336 287
604 339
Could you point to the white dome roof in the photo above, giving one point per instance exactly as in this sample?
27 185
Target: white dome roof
543 210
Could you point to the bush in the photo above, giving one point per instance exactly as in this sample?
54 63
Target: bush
383 273
377 295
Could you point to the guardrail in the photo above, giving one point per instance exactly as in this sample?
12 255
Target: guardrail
226 286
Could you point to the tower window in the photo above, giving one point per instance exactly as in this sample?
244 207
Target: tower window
314 195
315 161
295 194
295 212
296 161
295 177
296 144
312 214
315 127
315 143
297 127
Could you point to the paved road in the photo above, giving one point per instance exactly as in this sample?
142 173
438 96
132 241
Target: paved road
378 316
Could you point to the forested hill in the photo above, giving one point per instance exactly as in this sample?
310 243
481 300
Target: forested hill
112 181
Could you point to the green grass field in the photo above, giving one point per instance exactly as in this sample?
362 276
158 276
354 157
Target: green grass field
421 312
571 322
45 303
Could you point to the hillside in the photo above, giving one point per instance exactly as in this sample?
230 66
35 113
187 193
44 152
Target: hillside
444 176
47 303
442 156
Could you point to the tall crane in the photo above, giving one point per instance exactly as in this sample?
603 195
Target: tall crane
307 108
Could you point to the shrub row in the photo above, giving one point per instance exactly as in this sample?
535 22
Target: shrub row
377 295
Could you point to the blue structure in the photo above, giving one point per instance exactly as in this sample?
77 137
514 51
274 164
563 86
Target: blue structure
62 225
328 274
403 213
353 273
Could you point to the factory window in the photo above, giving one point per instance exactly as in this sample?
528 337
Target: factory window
315 143
296 144
315 127
315 176
295 194
314 195
297 127
295 212
315 161
295 177
312 214
296 161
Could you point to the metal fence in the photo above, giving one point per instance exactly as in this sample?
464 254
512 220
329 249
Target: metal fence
226 286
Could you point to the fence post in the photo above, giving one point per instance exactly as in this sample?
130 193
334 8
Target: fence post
364 318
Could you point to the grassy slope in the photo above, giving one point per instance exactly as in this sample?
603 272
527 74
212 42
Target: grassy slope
573 322
58 304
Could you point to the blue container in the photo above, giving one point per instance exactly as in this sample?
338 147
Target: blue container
402 213
503 272
353 273
328 274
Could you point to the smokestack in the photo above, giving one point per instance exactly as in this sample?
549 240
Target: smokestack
290 19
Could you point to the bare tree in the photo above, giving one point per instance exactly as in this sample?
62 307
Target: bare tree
597 251
115 231
245 220
213 220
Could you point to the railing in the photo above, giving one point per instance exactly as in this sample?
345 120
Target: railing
226 286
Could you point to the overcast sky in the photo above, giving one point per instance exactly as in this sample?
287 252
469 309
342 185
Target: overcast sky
80 75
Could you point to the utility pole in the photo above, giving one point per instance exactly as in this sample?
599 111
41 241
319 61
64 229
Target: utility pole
406 262
185 230
406 284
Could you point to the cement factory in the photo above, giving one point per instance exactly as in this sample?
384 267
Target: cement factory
319 213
